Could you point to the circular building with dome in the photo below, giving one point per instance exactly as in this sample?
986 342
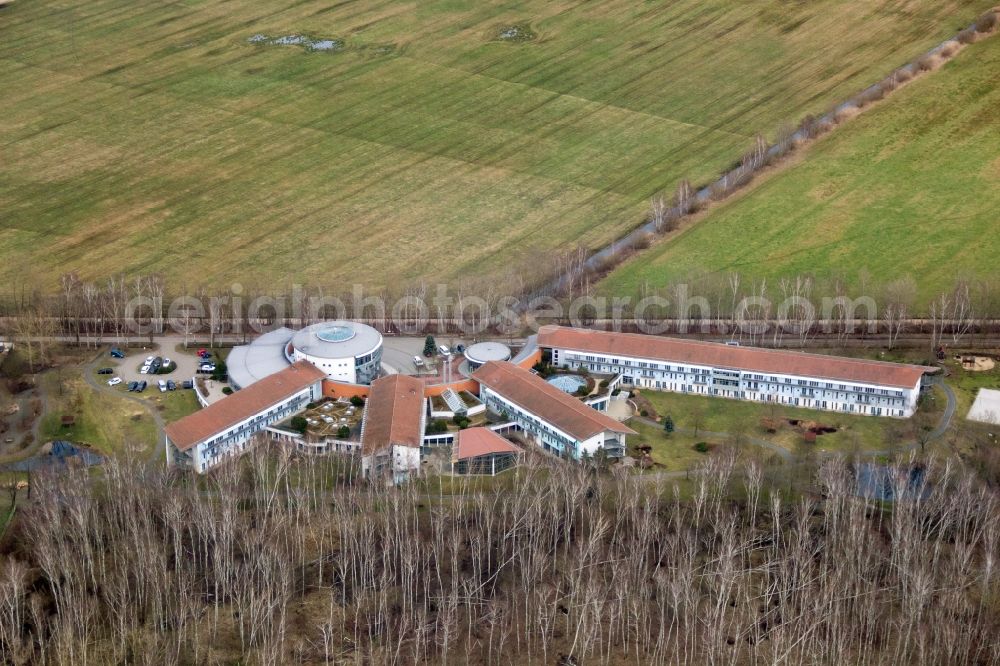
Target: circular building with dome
345 350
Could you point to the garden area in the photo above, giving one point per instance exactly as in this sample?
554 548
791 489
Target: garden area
790 428
334 419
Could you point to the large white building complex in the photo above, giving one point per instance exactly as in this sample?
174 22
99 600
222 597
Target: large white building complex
559 422
222 430
799 379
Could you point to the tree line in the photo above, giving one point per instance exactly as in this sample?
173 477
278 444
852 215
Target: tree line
276 559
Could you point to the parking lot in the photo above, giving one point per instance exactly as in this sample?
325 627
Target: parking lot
185 366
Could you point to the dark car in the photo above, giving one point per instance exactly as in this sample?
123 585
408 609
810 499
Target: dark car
133 386
142 386
106 371
117 353
171 386
187 383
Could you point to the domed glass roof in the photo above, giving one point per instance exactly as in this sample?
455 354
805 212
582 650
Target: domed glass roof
335 334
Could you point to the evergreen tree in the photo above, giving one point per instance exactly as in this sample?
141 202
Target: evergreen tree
430 347
668 424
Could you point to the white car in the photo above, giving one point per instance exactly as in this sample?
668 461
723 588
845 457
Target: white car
167 363
149 359
114 381
163 385
145 370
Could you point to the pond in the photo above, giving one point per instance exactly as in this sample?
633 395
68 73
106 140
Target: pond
568 383
310 44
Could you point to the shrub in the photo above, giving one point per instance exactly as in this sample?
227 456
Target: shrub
701 447
967 36
357 400
311 405
439 426
925 63
299 424
987 22
221 372
948 48
227 390
903 74
343 432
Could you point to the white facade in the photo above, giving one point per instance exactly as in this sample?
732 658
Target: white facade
346 351
550 437
397 462
793 390
233 440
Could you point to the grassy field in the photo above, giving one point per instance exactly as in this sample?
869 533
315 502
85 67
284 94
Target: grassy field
742 420
911 187
155 137
103 421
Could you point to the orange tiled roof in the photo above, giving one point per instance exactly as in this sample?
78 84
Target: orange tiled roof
393 414
245 403
534 394
719 355
474 442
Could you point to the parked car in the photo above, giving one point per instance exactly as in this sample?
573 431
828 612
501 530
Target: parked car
188 384
144 370
132 386
142 386
149 359
117 353
444 350
167 363
206 367
460 349
162 385
417 361
114 381
106 371
171 386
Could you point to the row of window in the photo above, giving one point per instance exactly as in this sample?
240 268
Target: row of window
699 374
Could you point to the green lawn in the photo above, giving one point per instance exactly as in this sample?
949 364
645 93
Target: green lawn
106 422
742 420
671 454
154 137
911 187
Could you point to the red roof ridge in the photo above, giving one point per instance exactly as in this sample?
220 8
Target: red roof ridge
481 441
383 422
750 359
241 405
587 422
